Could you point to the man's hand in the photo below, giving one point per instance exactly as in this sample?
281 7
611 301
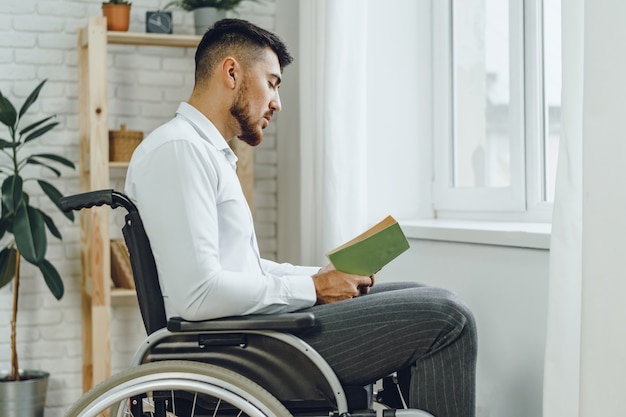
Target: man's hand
332 285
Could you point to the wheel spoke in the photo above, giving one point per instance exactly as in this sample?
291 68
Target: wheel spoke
193 407
217 407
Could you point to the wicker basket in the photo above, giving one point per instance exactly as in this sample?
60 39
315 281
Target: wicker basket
122 143
121 271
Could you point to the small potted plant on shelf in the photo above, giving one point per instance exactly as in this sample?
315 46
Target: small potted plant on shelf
117 13
27 225
205 12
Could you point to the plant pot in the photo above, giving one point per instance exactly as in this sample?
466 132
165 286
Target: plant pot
204 17
118 16
24 398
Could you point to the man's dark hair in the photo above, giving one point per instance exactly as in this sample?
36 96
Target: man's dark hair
240 38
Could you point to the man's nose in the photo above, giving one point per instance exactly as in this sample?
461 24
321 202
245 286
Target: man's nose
275 104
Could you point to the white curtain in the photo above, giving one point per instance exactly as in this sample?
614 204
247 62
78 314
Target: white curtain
561 379
585 367
333 115
358 100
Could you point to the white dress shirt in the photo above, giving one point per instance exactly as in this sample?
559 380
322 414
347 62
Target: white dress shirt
182 178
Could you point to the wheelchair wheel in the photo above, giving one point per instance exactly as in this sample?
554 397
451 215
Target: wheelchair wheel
177 389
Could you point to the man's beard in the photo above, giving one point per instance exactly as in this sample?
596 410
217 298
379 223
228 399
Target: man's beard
251 133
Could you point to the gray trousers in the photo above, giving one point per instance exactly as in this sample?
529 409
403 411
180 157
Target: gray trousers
425 334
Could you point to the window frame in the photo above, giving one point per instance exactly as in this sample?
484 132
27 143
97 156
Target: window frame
524 199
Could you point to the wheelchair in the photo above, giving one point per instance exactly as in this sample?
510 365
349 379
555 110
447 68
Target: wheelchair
229 367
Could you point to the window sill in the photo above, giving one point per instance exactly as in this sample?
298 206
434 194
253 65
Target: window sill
522 235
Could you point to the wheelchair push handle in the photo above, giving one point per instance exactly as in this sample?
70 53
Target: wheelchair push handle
89 199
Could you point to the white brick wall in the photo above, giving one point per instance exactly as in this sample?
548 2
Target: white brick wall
38 41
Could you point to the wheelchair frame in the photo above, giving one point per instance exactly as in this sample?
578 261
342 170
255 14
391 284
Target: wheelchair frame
247 346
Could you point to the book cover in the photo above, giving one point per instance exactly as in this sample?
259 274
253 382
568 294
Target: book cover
367 253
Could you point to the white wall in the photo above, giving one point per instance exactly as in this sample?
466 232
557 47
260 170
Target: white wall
38 41
506 288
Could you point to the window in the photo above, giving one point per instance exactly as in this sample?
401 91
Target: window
552 92
497 87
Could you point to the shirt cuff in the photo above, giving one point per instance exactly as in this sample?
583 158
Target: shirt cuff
302 291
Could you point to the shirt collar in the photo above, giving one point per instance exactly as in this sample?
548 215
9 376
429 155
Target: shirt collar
206 129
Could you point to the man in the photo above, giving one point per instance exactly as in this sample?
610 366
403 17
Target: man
182 177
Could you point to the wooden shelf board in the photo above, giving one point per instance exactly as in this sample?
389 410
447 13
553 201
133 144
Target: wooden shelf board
152 39
123 293
118 164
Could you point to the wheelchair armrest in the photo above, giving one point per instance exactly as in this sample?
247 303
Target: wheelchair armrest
282 322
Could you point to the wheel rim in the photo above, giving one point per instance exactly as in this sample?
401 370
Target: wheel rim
227 393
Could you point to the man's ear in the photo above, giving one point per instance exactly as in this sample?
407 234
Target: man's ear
230 71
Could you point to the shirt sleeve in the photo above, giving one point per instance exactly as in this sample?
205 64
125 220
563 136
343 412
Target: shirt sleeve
175 189
287 269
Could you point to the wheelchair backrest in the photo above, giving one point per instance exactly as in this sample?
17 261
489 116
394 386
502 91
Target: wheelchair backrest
141 258
145 273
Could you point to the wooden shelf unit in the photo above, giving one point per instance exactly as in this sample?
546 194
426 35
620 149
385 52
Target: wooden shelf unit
93 41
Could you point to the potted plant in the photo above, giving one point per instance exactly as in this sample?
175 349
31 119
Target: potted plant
27 225
117 13
205 12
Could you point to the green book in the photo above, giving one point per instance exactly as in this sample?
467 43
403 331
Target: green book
367 253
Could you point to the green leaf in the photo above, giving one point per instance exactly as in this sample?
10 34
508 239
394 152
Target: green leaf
4 224
52 278
55 195
55 158
31 98
40 131
36 162
8 115
6 144
7 265
12 192
34 125
51 226
30 234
